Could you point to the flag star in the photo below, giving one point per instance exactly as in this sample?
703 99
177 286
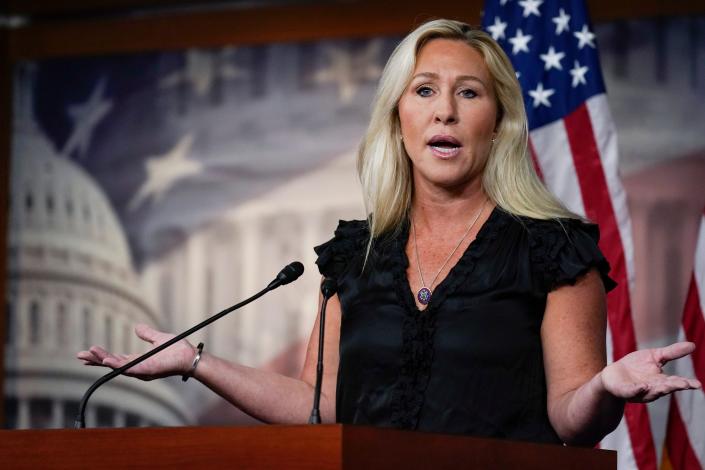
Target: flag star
350 70
86 117
163 171
497 29
578 73
202 70
585 36
541 96
503 2
561 21
552 59
531 7
520 42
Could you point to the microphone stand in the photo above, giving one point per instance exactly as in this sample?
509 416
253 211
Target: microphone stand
284 277
328 289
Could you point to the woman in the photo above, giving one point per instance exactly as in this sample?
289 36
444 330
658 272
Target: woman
471 301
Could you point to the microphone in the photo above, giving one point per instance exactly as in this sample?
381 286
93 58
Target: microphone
290 273
329 287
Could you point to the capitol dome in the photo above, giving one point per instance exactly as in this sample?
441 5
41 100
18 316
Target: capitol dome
70 284
57 206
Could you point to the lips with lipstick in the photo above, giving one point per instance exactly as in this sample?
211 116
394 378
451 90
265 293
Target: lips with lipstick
444 146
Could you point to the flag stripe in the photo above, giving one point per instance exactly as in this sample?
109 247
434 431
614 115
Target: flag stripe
691 408
550 143
619 440
685 434
680 453
694 329
599 209
535 160
606 138
699 265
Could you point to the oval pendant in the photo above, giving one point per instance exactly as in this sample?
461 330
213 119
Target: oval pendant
424 296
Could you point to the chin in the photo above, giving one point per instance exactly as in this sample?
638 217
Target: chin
451 182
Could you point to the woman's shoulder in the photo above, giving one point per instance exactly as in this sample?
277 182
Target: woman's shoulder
561 250
546 231
349 240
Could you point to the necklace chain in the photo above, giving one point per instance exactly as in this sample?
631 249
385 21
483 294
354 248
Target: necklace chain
424 294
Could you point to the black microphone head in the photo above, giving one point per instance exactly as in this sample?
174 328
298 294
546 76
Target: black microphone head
291 272
329 287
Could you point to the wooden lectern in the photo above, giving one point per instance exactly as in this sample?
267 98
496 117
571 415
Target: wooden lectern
331 446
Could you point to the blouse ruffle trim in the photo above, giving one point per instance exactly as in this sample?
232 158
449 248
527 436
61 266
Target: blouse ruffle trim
349 240
561 255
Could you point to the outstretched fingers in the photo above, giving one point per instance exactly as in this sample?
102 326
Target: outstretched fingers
674 351
106 358
667 385
682 383
97 356
89 358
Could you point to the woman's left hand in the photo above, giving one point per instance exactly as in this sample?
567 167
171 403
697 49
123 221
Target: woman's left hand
638 376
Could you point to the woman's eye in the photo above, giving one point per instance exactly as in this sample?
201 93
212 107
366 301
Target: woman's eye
468 93
424 91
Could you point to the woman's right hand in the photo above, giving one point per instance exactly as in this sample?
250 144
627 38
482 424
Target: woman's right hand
175 360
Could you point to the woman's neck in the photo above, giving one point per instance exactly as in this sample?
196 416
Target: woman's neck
437 208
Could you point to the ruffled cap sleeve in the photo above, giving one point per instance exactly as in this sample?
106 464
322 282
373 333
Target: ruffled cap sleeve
335 255
561 253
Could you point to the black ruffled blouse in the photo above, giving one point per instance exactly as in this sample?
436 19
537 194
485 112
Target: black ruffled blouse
471 363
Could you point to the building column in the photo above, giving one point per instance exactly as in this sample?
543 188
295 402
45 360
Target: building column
194 290
49 326
71 325
23 413
251 257
57 414
98 325
91 417
119 419
22 321
309 300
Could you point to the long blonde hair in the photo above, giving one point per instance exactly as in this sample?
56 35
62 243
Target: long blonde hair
509 178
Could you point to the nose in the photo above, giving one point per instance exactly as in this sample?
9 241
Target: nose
445 111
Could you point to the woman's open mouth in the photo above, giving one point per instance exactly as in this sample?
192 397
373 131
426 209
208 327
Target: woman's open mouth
444 146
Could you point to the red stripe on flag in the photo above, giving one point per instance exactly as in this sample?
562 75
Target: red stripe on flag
694 328
680 452
599 209
535 159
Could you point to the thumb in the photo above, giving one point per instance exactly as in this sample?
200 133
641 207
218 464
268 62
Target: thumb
674 351
146 332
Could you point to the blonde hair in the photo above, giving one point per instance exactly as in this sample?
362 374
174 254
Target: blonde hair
508 179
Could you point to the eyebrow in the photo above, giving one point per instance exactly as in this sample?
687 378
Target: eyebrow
460 78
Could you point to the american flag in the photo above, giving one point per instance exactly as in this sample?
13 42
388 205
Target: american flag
573 143
685 436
